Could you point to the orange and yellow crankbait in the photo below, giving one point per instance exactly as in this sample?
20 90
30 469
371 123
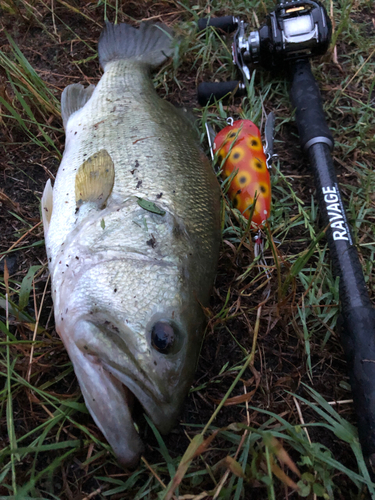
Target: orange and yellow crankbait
240 147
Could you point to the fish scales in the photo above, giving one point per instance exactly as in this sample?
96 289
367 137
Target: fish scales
129 284
156 149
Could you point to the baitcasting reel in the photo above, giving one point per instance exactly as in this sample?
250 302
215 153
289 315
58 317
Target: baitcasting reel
294 30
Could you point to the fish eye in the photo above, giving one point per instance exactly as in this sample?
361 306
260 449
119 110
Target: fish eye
163 337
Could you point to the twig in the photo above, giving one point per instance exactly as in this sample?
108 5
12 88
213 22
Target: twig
36 327
358 70
334 56
224 478
19 240
248 362
152 471
93 493
343 402
299 411
53 19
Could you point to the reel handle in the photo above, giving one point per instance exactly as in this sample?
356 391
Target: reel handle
208 92
225 23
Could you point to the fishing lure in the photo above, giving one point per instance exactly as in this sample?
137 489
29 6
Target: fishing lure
239 149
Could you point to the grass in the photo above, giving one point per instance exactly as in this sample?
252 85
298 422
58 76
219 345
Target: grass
270 412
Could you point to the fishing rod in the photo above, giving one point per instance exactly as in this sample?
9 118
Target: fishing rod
293 33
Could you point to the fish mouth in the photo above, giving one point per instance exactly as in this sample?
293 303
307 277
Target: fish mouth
130 456
116 399
125 439
145 396
110 404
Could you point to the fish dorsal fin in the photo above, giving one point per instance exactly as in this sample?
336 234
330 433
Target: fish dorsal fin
94 179
47 203
73 98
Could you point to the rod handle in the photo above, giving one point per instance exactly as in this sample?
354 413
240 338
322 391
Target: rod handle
208 92
305 96
225 23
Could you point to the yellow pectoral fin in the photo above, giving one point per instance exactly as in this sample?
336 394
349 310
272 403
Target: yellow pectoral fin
47 203
94 179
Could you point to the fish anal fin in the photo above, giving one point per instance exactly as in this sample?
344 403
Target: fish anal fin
94 179
47 204
73 98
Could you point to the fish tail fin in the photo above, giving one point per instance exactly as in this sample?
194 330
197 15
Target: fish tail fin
73 98
150 43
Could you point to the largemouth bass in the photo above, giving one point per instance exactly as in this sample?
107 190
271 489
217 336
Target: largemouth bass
132 234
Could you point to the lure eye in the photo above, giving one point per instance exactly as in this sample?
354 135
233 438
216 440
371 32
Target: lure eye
162 337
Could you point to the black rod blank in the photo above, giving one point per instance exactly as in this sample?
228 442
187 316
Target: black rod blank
357 314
